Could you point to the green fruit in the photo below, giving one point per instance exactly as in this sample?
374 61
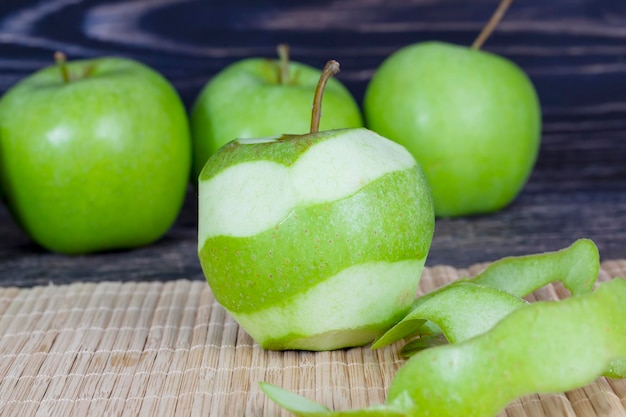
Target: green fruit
536 348
471 118
249 99
97 161
314 241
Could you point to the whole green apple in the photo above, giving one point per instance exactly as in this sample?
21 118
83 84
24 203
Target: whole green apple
471 118
314 241
94 155
258 97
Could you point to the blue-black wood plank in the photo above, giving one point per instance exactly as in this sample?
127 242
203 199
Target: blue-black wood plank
573 50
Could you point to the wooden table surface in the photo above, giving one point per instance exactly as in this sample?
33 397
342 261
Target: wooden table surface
573 50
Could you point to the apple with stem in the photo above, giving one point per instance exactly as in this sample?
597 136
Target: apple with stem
258 97
314 241
471 118
94 155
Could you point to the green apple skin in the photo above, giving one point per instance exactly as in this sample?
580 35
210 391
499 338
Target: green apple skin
96 164
314 242
246 100
471 118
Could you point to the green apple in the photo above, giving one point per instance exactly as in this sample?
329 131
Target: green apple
258 97
314 241
94 155
471 118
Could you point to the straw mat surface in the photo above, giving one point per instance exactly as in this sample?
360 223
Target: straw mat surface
168 349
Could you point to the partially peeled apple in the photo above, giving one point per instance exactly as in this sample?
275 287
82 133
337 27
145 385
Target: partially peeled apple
314 241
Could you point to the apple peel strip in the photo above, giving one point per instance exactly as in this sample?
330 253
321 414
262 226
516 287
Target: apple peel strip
471 306
539 349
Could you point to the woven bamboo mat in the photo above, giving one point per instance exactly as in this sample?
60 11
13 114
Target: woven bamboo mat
167 349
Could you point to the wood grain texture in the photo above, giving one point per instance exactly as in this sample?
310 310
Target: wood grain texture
573 50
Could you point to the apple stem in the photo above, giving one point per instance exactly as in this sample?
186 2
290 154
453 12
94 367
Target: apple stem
283 56
331 68
491 25
61 61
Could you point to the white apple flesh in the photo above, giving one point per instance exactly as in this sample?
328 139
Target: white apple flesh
315 241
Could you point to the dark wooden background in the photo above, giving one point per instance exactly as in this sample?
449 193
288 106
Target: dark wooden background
574 51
